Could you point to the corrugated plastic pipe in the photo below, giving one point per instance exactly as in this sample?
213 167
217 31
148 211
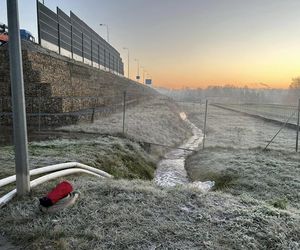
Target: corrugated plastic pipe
56 167
6 198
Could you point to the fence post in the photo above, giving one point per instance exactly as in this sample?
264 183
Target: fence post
93 112
82 48
92 53
1 116
98 56
108 61
298 120
38 22
205 119
58 32
40 99
72 52
124 110
93 115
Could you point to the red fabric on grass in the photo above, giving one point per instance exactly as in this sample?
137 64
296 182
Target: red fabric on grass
60 191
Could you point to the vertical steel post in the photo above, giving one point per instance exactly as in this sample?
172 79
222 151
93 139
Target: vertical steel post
1 116
104 58
72 50
18 99
109 63
82 47
92 53
98 56
128 65
204 128
93 115
124 110
58 32
40 102
38 21
298 120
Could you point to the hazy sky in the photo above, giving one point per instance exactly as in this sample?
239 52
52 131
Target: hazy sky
194 43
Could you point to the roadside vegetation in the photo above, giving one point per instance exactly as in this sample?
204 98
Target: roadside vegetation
272 176
255 203
121 214
115 155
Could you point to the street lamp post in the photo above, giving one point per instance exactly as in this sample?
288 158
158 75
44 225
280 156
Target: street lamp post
127 61
18 99
138 70
107 30
144 71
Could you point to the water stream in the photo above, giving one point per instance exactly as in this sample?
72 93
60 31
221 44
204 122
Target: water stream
171 171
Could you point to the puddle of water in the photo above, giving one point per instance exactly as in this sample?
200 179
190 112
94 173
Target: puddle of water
170 170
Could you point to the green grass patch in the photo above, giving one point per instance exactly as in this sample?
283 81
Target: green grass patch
121 157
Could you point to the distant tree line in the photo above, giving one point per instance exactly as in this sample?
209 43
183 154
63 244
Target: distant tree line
230 94
294 90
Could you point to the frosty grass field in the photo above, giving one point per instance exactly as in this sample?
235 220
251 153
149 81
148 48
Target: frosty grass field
255 204
272 111
235 159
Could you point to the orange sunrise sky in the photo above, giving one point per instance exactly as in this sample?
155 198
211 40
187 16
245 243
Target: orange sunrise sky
194 43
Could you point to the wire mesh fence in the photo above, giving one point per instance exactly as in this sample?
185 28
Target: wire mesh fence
247 125
72 113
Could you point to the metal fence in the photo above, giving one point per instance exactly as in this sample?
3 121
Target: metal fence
71 37
96 108
246 125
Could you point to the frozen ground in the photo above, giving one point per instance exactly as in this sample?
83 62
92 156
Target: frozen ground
121 157
234 159
232 129
155 121
122 214
272 111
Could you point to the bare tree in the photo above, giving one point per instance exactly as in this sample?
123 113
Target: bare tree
295 84
294 90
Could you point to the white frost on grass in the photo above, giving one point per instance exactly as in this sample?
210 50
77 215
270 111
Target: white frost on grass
272 111
231 129
234 159
156 120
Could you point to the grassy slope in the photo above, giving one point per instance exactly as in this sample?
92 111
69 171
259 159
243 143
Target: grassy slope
120 214
239 166
119 156
156 120
136 215
272 176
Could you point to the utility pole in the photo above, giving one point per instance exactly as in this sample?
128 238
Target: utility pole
18 100
138 70
127 61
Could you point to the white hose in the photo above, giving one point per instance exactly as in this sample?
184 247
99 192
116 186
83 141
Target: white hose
6 198
53 168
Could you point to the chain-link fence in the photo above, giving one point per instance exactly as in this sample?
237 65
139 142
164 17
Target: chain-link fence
84 113
246 125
